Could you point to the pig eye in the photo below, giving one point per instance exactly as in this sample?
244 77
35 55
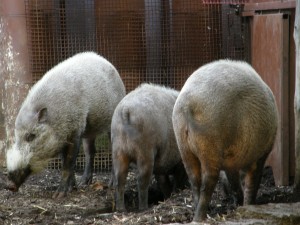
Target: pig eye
29 137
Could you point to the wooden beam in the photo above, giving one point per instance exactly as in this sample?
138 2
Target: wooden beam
249 9
297 102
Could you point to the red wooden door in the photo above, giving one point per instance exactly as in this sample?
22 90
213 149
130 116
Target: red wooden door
270 58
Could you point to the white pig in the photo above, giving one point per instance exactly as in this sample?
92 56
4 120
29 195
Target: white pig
142 134
73 101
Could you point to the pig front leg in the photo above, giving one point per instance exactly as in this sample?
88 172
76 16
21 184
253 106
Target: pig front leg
68 181
181 180
89 151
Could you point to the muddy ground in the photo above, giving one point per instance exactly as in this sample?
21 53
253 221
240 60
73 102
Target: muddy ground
94 204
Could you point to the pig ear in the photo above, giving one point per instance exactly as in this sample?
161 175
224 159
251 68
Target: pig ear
43 115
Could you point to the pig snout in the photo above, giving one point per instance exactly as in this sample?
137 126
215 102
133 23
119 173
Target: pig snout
5 183
17 178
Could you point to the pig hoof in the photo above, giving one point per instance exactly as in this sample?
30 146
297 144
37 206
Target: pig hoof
10 186
59 195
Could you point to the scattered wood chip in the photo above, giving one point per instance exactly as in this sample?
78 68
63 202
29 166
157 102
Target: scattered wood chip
99 186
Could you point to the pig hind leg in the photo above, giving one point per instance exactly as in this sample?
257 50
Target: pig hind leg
68 181
203 176
193 169
112 175
164 184
145 169
210 176
233 187
191 163
89 151
120 169
252 180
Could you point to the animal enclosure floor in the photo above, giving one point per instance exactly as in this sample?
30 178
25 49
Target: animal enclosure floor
94 204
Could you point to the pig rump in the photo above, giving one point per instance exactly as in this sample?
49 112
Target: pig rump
225 118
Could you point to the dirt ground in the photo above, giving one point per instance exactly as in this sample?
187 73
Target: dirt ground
94 204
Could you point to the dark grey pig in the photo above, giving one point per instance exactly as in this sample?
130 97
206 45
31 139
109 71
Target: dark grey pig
225 118
74 100
142 133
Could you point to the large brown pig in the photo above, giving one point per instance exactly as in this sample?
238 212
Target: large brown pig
225 118
142 133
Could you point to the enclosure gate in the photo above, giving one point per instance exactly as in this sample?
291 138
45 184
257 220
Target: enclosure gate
147 40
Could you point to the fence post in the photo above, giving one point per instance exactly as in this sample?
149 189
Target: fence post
297 100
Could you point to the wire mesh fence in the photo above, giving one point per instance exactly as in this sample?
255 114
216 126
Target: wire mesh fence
154 41
233 2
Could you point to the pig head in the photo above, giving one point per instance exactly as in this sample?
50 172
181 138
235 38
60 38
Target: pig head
34 145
